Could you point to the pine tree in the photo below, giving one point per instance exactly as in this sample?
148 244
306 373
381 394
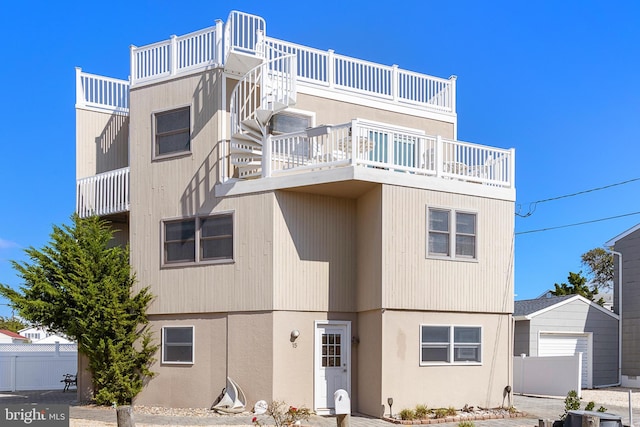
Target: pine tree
80 285
577 286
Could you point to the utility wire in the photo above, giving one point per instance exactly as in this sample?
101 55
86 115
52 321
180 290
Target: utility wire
577 223
534 205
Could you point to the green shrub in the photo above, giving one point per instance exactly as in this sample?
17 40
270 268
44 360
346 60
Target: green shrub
451 411
602 409
407 414
466 424
571 403
421 412
441 413
590 406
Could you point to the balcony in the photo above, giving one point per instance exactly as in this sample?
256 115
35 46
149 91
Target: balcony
375 145
103 194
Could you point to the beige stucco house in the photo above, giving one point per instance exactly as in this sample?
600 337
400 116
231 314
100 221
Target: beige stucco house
306 221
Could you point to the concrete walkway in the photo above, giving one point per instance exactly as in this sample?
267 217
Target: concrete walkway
82 415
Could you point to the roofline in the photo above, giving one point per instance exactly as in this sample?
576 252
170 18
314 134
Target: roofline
567 301
622 235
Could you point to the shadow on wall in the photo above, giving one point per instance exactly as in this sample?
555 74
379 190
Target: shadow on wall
112 145
198 196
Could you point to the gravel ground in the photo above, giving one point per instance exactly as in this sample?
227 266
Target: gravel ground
613 396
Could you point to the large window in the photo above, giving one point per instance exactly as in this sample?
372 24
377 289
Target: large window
200 239
177 344
172 132
450 344
452 234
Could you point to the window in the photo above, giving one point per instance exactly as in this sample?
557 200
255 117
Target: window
201 239
453 239
288 122
172 132
177 344
450 344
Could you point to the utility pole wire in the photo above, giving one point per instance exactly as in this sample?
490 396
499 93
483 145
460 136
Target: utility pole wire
577 223
534 205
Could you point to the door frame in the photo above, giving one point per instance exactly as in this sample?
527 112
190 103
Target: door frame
316 358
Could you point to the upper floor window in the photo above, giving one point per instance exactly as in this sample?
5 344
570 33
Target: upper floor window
172 132
200 239
450 344
287 122
177 344
451 234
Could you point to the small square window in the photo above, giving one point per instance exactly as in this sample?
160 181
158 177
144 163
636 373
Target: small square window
177 344
172 132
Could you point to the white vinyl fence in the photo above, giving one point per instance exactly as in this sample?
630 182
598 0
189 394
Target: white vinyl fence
36 366
547 376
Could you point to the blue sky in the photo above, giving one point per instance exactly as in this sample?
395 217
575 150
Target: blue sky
557 81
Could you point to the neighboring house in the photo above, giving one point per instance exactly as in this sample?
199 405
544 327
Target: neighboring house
566 325
8 337
306 221
626 288
42 336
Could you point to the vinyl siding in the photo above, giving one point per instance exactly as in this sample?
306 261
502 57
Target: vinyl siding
182 187
314 252
578 317
102 142
521 338
330 111
629 246
412 280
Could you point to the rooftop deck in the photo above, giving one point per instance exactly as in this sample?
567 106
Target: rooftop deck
236 45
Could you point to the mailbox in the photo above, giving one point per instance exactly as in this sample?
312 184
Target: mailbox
342 402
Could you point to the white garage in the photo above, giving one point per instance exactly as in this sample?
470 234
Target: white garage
567 325
568 344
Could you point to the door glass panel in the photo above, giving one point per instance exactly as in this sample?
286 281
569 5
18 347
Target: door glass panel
331 354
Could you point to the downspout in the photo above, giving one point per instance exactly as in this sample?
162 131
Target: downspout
619 316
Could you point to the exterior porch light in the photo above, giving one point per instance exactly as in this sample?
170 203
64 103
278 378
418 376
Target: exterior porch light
390 402
294 335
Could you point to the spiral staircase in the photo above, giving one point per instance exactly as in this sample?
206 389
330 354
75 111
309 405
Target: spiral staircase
264 90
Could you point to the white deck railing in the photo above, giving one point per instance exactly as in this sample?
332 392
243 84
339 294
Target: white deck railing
244 33
390 83
382 146
103 194
102 93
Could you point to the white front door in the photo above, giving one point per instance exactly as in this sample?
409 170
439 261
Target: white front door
332 363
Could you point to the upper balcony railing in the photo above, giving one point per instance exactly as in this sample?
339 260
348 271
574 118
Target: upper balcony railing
382 146
103 194
322 69
102 93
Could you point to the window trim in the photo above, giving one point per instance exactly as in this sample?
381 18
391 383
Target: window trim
154 155
452 346
453 233
193 345
198 239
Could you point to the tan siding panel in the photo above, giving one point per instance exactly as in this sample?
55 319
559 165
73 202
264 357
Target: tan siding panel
314 252
102 142
369 238
414 281
330 111
183 187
